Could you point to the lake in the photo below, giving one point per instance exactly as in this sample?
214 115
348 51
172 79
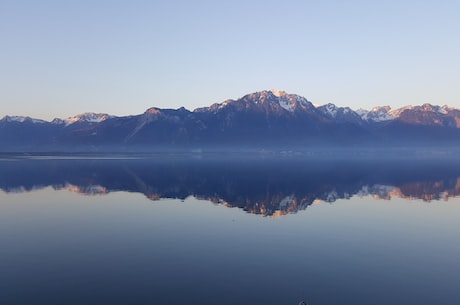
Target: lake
153 229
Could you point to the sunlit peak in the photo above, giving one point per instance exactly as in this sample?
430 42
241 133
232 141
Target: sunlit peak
278 93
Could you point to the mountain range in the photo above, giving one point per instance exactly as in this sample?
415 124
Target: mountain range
260 120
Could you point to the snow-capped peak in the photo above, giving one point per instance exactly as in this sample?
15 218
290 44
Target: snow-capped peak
22 119
340 114
289 102
273 98
444 109
397 112
278 93
88 117
424 108
377 114
153 110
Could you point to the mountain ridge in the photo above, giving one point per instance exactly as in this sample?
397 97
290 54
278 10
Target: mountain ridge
269 118
285 102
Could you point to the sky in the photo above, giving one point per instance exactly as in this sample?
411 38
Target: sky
63 58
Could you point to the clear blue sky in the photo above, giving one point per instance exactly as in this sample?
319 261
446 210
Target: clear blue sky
62 58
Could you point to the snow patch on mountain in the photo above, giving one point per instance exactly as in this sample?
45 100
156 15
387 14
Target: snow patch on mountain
286 104
289 102
446 109
330 109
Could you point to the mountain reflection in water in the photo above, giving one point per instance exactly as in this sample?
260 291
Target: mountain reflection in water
268 187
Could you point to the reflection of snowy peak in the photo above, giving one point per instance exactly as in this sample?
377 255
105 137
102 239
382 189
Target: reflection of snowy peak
85 190
377 191
274 206
272 187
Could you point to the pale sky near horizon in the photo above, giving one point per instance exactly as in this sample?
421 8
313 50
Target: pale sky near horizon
62 58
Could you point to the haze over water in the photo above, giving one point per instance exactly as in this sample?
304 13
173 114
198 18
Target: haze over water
208 230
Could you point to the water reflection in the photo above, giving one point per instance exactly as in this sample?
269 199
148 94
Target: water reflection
268 187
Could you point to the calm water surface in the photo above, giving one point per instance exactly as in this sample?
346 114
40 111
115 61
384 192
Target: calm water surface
152 231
